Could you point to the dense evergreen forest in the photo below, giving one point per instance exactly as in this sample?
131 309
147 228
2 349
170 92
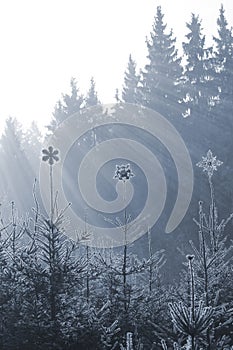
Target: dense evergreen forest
157 293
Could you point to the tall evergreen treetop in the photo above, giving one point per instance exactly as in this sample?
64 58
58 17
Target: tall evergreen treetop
161 77
32 145
12 140
198 70
16 171
74 101
131 80
70 104
92 97
224 61
194 48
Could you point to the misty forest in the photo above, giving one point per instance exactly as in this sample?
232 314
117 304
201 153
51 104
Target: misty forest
163 291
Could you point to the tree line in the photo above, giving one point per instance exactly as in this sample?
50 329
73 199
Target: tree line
192 89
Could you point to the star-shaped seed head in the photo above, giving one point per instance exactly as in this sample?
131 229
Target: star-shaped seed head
209 164
50 155
123 172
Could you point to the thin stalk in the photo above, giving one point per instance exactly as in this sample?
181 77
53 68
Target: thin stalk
51 193
212 206
203 245
125 264
150 266
125 254
14 230
192 308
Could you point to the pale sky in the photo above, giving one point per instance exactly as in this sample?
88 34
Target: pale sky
46 42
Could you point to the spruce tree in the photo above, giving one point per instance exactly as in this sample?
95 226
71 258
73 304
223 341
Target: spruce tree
92 97
161 77
131 81
224 64
198 71
70 104
32 143
16 171
74 101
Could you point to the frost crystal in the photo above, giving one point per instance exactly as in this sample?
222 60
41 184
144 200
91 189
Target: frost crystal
209 163
123 172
